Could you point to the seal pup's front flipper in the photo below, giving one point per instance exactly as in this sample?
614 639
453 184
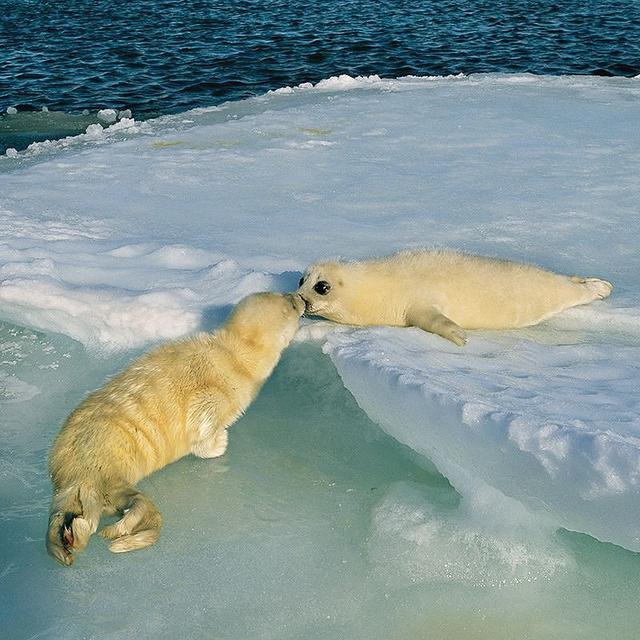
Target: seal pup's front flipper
430 319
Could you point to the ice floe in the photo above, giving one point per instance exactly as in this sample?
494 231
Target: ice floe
116 239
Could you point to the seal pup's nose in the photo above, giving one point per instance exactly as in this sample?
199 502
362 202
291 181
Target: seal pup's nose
298 302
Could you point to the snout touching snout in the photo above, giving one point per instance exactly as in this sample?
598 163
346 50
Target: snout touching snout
298 302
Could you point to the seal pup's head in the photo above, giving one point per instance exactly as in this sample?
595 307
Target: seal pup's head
322 287
266 319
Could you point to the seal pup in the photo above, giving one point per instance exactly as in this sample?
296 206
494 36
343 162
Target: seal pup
177 399
443 292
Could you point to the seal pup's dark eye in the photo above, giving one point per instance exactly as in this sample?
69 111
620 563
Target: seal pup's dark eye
301 282
322 287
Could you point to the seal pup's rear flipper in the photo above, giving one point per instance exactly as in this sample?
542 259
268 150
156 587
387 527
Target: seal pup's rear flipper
73 518
139 526
595 288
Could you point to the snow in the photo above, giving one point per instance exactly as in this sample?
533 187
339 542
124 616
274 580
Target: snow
435 501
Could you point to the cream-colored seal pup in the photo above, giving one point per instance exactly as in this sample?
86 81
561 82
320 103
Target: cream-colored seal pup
177 399
443 292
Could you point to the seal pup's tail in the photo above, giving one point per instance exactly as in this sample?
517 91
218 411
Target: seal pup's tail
139 526
73 517
597 288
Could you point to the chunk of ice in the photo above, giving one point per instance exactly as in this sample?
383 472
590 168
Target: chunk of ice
94 130
108 115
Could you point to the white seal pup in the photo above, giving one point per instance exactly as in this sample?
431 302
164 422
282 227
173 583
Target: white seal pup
443 292
177 399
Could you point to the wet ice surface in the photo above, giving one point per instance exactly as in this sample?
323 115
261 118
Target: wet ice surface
314 524
318 522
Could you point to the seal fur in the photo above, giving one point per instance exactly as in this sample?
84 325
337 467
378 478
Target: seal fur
177 399
443 292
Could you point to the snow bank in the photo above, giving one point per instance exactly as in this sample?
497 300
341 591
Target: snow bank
115 298
511 421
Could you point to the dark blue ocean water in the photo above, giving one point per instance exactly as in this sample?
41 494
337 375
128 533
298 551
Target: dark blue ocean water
165 56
